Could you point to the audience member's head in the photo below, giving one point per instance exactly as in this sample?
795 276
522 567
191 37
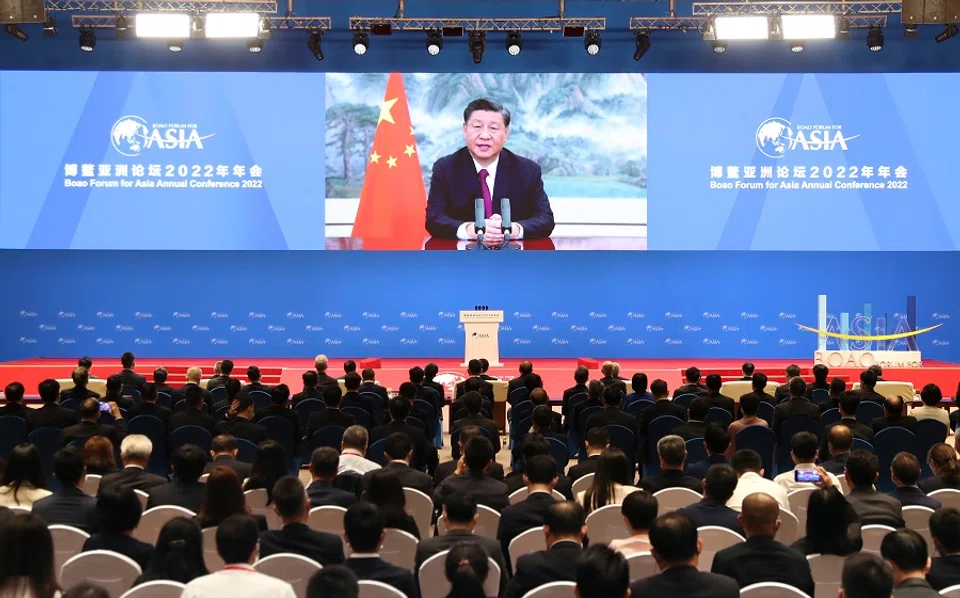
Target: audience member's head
564 521
849 403
865 575
194 375
540 473
861 469
81 377
942 459
98 455
85 362
26 558
320 364
430 371
747 461
837 387
86 590
397 447
484 365
840 440
416 374
602 573
408 390
877 370
349 366
612 397
270 464
868 379
90 409
759 381
760 515
639 510
906 551
352 381
803 448
820 373
68 466
310 380
581 375
193 397
828 515
233 387
672 451
597 440
49 390
716 439
699 408
253 374
466 567
720 482
178 555
223 497
595 390
532 382
931 395
792 371
356 438
539 397
639 383
324 463
237 540
526 367
114 387
945 529
543 418
224 445
747 369
335 581
714 382
399 409
606 369
749 405
460 511
692 375
659 389
905 469
24 470
674 540
613 470
474 368
148 393
893 406
135 449
478 453
798 386
332 396
118 509
279 395
128 361
363 525
290 500
226 367
473 402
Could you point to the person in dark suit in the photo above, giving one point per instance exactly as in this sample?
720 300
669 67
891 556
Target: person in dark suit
323 467
544 425
220 379
291 504
447 468
865 574
460 515
839 444
352 398
906 552
759 383
430 372
713 396
597 441
238 423
118 510
69 505
945 568
873 508
594 399
79 392
564 526
472 402
849 403
471 478
424 392
194 375
820 373
893 410
783 391
540 477
311 390
254 376
399 451
761 558
223 451
535 445
13 394
662 405
484 387
484 368
866 392
693 386
160 376
424 451
718 487
148 405
580 377
747 370
539 398
51 414
676 549
331 416
602 572
612 414
135 454
279 407
363 526
905 471
88 426
673 452
115 393
349 367
484 168
611 376
525 369
369 384
130 378
473 385
320 363
408 391
797 405
838 388
186 489
695 426
717 441
194 414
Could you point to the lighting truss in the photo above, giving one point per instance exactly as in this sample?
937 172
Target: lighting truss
697 23
479 24
769 8
291 23
184 6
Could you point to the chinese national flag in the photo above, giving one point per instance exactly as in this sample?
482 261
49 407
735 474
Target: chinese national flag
393 200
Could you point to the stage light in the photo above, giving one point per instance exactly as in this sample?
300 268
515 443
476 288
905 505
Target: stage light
198 28
591 43
910 32
719 47
949 30
573 31
796 46
434 43
381 29
452 31
88 40
314 45
238 25
707 32
50 27
361 42
875 39
843 28
255 46
808 26
175 45
121 24
643 44
16 32
266 31
514 43
742 27
477 44
163 25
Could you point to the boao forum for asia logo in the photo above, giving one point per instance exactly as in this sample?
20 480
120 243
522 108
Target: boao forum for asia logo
776 137
131 135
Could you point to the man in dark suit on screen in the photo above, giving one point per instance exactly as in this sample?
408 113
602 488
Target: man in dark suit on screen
484 169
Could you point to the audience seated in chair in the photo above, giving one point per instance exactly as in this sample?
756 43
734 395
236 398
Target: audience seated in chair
353 450
535 445
838 388
540 477
148 405
693 386
51 413
866 575
580 377
424 392
224 498
160 375
27 557
872 507
472 402
804 455
89 426
832 525
352 398
525 370
820 374
783 391
292 506
79 392
119 510
945 568
239 422
906 552
232 386
220 378
321 491
662 405
194 376
280 407
866 392
839 445
797 405
639 511
612 482
718 487
596 442
539 398
223 451
311 389
673 453
364 526
332 415
931 396
942 459
135 454
408 391
320 363
749 406
98 456
114 393
127 375
564 527
893 410
368 384
270 464
22 482
424 451
447 468
758 382
254 376
194 413
602 573
717 442
385 491
333 582
69 505
695 426
178 555
594 399
905 471
399 452
472 479
749 467
713 396
185 490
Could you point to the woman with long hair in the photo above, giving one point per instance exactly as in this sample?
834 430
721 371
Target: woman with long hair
26 558
466 568
178 555
832 525
942 459
270 465
98 456
611 482
23 482
223 497
386 491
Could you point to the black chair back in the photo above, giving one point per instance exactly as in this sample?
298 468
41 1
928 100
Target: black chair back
696 451
375 452
164 399
47 440
719 415
331 436
282 431
929 433
657 429
763 441
869 411
684 400
791 426
360 416
888 442
154 429
246 450
261 399
306 408
190 435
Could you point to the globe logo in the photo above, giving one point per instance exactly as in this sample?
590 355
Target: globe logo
128 135
773 136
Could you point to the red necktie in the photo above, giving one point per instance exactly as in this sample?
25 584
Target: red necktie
487 199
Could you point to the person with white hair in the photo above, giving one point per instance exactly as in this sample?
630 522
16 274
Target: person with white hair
321 363
135 454
194 375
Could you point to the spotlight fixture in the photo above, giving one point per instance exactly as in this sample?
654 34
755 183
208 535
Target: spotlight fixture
643 44
266 31
477 44
88 39
949 30
875 39
707 32
314 44
910 32
121 24
591 43
198 27
514 43
49 27
16 32
434 42
255 45
361 42
719 46
843 28
175 45
796 46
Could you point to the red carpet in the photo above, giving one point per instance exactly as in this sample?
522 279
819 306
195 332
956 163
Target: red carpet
557 374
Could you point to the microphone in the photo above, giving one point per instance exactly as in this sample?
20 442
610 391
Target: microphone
479 222
507 224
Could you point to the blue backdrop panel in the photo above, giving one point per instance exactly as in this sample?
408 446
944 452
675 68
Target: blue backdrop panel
405 304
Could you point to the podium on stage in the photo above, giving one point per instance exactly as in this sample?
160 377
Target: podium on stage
482 332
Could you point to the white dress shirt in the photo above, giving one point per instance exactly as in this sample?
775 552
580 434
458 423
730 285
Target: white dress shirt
632 545
353 461
788 482
751 483
491 182
238 581
926 412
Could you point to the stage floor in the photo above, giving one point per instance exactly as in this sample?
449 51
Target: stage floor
557 374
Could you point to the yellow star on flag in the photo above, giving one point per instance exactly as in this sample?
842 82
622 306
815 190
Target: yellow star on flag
391 162
411 130
374 158
409 151
385 108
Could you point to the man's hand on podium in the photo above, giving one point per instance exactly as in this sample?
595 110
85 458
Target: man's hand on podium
493 234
